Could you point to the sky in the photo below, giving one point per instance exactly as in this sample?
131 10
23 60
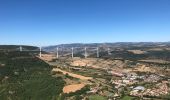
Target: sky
51 22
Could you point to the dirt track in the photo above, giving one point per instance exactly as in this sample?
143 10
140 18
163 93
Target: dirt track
72 74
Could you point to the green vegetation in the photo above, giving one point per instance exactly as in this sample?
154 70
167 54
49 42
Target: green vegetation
97 97
68 76
149 55
128 98
26 77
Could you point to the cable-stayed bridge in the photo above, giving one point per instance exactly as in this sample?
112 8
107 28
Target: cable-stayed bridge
60 51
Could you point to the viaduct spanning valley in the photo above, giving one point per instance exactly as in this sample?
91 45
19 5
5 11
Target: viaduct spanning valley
97 71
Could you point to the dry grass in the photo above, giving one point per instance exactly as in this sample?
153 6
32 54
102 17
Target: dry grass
156 61
47 57
137 51
144 68
156 49
95 63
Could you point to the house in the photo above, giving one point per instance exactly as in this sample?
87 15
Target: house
115 73
139 88
94 90
76 69
137 91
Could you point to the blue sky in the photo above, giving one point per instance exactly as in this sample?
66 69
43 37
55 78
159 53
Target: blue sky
50 22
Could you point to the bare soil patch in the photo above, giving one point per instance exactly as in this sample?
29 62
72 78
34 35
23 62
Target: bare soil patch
73 88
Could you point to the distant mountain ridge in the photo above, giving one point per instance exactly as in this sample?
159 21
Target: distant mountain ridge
106 45
13 47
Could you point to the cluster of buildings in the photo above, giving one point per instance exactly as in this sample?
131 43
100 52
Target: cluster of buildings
125 79
94 90
131 80
152 78
158 90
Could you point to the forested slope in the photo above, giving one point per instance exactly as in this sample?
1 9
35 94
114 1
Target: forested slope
23 76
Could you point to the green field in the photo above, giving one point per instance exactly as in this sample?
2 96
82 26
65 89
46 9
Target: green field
128 98
97 97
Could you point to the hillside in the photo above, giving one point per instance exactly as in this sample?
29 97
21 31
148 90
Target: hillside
15 47
23 76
